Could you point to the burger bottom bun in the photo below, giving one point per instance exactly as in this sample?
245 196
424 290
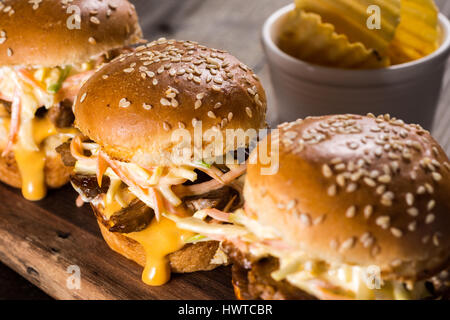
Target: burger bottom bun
56 174
191 258
257 284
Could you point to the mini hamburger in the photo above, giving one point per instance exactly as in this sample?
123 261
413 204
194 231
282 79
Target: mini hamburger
127 165
47 50
358 209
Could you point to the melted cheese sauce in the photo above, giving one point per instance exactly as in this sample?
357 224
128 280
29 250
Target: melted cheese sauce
159 239
31 163
31 166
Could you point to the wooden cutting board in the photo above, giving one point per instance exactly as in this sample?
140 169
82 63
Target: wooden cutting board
40 240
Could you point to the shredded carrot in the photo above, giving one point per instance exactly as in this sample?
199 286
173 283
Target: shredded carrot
102 165
198 189
28 77
72 85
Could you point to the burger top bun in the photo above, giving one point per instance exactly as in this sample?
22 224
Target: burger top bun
135 106
59 32
358 190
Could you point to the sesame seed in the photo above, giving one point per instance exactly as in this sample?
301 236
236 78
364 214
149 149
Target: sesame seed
230 116
2 36
332 190
181 125
128 70
326 171
340 179
352 187
409 199
396 263
211 115
414 212
383 221
436 240
83 97
334 244
385 179
9 52
397 232
429 188
447 166
381 189
217 105
197 80
305 219
368 210
165 102
291 204
348 244
370 182
166 126
375 251
386 198
431 204
124 103
249 112
94 20
436 176
430 218
198 104
421 190
147 106
351 212
412 226
319 220
200 96
92 40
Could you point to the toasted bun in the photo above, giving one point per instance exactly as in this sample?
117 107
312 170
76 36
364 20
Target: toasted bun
358 190
56 174
41 34
134 105
191 258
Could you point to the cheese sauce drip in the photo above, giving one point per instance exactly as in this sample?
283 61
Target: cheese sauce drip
162 237
159 239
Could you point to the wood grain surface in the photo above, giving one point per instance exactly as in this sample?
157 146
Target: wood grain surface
40 240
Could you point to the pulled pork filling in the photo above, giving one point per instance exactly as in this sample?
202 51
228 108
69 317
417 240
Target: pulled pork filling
266 267
36 114
129 197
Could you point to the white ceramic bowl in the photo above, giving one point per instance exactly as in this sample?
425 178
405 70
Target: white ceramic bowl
408 91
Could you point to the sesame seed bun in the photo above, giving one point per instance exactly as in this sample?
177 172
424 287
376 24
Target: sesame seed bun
360 191
132 106
38 33
191 258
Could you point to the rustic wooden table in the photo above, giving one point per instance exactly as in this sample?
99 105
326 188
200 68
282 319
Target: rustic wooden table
233 25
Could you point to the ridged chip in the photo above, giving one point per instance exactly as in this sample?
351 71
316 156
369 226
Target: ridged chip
306 37
418 33
351 17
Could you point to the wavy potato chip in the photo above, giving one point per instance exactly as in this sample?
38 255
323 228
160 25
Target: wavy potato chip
418 33
306 37
350 17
